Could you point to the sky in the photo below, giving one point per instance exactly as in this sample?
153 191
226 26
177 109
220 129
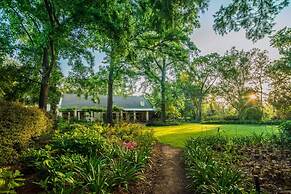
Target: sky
208 41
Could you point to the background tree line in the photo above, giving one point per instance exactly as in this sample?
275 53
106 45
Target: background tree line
145 42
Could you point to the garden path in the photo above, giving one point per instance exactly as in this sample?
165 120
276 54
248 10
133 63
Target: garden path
171 177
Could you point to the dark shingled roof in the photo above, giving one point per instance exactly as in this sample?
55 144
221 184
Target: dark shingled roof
124 102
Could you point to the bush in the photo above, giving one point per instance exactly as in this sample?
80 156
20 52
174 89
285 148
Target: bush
10 180
207 174
18 125
285 128
270 122
91 158
160 123
252 113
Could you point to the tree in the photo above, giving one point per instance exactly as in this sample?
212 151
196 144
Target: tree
198 79
41 32
234 84
279 95
255 17
259 64
111 27
280 73
165 41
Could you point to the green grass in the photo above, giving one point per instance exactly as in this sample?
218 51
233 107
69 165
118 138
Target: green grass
177 135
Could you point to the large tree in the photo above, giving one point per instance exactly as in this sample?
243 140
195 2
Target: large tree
40 33
280 74
165 42
198 78
235 83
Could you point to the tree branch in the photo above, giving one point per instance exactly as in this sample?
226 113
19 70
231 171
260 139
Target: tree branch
25 30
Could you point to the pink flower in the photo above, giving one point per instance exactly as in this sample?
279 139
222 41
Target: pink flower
129 145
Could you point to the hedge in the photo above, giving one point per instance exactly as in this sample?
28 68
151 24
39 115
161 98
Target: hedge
160 123
18 125
270 122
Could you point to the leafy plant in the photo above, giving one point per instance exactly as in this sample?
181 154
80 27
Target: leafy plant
91 158
18 126
208 173
285 128
9 180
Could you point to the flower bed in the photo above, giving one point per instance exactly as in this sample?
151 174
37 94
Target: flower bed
248 164
90 158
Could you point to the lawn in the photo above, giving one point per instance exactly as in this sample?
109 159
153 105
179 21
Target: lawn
176 135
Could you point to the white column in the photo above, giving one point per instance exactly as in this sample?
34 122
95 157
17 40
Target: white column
121 116
91 116
69 114
75 113
147 116
79 115
99 116
134 116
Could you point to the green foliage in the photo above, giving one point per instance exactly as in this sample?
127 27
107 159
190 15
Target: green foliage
243 76
160 123
91 158
285 128
208 175
197 80
9 180
18 126
222 121
252 113
217 164
279 72
256 17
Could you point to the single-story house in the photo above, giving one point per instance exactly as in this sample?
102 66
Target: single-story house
125 108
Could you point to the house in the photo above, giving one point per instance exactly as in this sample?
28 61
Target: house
125 108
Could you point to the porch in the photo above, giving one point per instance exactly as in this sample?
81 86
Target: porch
118 116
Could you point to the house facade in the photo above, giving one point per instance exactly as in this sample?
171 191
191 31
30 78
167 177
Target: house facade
125 108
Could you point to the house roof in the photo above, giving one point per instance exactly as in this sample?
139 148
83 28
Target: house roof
138 103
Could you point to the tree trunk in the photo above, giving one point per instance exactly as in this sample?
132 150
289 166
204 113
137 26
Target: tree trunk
109 117
261 99
163 93
44 87
199 110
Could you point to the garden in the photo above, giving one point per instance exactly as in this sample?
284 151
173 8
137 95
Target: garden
86 157
73 158
145 96
253 164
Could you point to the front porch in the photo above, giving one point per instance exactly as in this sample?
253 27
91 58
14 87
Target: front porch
133 116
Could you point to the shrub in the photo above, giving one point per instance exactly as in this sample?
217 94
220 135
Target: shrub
91 158
231 118
252 113
207 172
9 180
18 125
285 128
160 123
270 122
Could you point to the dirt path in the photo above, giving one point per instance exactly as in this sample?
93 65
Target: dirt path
165 174
171 176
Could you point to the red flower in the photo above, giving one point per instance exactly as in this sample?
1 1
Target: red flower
129 145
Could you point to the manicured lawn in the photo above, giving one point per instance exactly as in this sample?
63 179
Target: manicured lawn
177 135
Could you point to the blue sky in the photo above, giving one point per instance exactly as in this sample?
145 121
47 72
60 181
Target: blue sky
208 41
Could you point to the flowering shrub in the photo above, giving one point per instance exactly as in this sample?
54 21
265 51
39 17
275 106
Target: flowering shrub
129 145
91 158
